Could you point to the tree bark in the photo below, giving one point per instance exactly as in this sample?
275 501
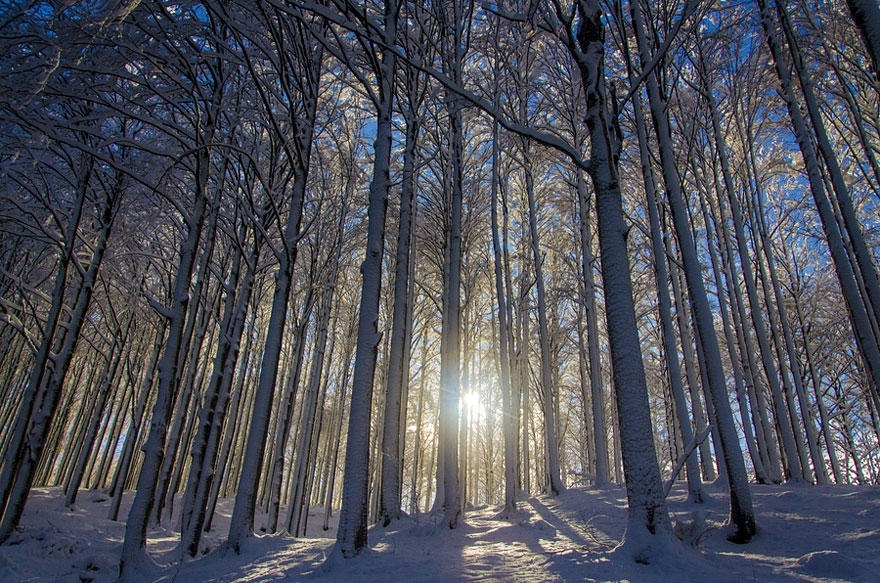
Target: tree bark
742 518
351 537
866 15
648 528
398 365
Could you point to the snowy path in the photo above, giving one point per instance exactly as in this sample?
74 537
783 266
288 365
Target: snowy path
806 534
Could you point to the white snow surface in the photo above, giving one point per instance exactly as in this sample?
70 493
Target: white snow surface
805 533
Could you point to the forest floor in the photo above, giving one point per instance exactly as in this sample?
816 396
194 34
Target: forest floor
806 533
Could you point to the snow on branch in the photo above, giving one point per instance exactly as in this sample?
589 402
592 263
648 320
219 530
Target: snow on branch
336 17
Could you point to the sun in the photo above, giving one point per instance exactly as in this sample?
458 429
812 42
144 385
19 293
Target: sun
472 403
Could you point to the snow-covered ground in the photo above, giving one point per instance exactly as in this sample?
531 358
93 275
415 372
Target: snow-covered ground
807 533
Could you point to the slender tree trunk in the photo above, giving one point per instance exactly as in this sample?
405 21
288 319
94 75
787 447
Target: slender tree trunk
551 445
105 385
213 412
225 467
34 390
824 417
307 431
858 311
864 260
309 419
765 436
194 334
117 487
31 446
597 397
134 545
398 366
785 423
417 444
351 536
507 404
724 305
338 417
648 524
284 417
670 347
742 518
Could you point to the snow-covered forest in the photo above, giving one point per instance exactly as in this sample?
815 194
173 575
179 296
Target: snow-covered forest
304 268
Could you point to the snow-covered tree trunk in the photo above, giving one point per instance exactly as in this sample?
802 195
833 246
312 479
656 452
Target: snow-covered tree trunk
25 458
241 399
798 374
551 445
824 416
864 259
351 537
307 433
398 361
733 355
597 393
338 420
134 545
648 528
742 516
507 402
452 16
213 411
764 434
284 416
141 397
194 335
105 386
785 423
309 429
49 344
856 304
667 329
300 71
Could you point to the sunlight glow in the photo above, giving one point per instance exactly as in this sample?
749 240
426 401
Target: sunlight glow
471 401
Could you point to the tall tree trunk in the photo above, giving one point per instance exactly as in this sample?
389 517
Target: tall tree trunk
507 403
863 259
648 527
336 428
398 365
117 487
134 545
450 335
824 417
725 306
50 344
858 310
597 396
551 445
307 432
670 347
305 67
351 535
765 436
284 416
194 334
31 447
742 516
105 385
213 412
309 429
785 423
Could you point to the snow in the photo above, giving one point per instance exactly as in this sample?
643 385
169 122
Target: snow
805 533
